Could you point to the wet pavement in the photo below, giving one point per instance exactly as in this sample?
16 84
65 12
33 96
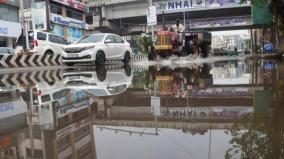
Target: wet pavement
223 109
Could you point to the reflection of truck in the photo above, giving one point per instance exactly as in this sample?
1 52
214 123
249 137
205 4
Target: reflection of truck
181 44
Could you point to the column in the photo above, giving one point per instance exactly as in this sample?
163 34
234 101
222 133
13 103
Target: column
64 14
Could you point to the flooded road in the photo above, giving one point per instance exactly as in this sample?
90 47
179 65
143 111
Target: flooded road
224 109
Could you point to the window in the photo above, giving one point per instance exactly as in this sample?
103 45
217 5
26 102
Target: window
60 94
61 40
118 39
111 38
45 98
55 9
92 38
41 36
52 38
9 13
89 19
74 14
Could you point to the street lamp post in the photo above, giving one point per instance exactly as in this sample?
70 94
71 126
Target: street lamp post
152 27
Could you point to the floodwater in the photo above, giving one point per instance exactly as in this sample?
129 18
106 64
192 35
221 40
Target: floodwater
222 109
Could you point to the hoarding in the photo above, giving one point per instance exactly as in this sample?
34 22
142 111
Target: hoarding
151 16
39 15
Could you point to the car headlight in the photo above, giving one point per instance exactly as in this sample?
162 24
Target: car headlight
87 48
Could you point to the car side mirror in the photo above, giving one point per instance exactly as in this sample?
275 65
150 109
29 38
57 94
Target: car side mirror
107 41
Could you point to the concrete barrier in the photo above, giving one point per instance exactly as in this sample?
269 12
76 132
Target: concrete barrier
27 79
34 60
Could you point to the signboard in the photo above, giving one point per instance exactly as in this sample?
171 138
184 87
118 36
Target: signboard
177 5
10 29
155 105
74 4
151 16
57 19
72 127
39 15
220 3
261 14
219 22
10 109
212 112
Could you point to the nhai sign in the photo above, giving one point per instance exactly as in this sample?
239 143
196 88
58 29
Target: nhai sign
176 5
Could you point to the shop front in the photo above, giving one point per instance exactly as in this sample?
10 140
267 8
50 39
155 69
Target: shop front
9 31
71 29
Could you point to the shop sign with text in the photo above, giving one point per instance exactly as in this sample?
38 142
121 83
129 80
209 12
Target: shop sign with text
57 19
74 4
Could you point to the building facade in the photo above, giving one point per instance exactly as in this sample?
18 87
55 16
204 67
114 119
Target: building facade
66 18
10 27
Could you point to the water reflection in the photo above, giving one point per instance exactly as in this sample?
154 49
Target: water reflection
229 109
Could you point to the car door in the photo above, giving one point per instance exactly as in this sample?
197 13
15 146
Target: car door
61 43
110 47
53 40
120 48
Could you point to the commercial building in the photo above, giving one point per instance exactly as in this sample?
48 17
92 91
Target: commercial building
10 27
66 18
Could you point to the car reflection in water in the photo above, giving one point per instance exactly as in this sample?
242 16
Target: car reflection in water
100 81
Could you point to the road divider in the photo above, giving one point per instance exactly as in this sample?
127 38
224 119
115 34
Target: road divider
28 79
34 60
14 61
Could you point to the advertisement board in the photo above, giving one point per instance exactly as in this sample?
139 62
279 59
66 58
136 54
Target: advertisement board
151 16
39 15
10 29
220 22
221 3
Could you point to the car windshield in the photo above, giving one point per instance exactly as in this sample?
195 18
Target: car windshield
92 38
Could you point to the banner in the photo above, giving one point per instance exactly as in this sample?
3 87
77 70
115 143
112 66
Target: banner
220 22
39 16
220 3
177 5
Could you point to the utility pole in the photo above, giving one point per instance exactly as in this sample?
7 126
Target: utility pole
152 27
24 25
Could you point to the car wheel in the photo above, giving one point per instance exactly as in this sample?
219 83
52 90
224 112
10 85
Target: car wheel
127 57
70 64
48 52
100 58
127 70
101 73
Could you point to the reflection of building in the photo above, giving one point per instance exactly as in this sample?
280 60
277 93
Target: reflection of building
9 23
69 135
13 111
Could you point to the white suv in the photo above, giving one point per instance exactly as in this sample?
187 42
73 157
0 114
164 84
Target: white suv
97 48
42 43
